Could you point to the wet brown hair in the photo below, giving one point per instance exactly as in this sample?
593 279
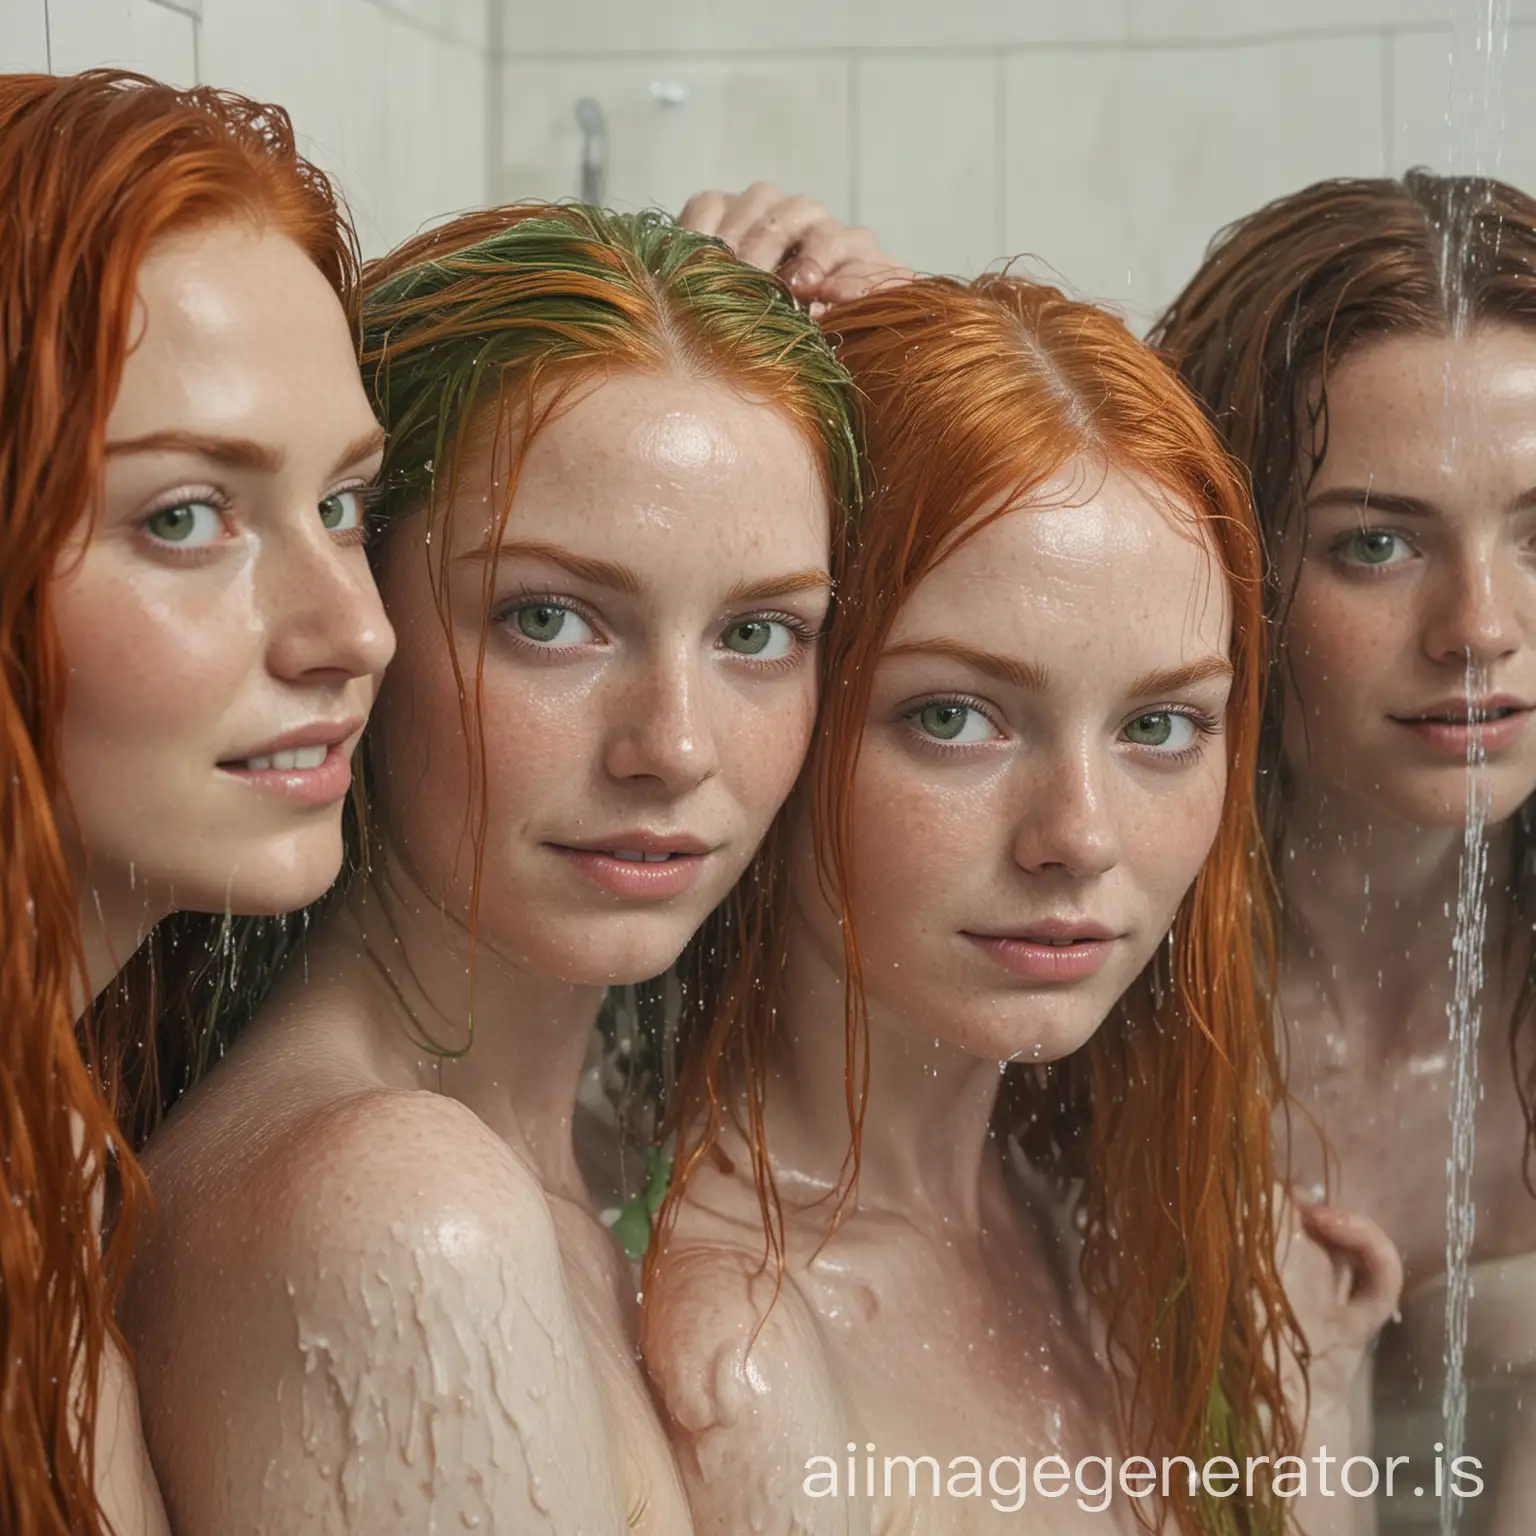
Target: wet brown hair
1282 297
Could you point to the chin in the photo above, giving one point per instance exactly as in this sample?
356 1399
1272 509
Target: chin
264 881
1439 799
1045 1029
617 950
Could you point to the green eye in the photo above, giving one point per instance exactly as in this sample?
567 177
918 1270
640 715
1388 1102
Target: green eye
342 511
1150 730
541 621
750 637
190 525
1374 547
945 721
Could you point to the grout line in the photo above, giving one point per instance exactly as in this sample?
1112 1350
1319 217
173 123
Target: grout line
1388 107
416 24
855 142
685 55
495 103
1000 164
47 37
191 9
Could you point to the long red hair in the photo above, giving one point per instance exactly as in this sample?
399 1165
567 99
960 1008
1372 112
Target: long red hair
93 169
976 394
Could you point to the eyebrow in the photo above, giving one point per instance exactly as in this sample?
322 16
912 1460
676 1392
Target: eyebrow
1021 674
813 579
365 447
235 452
602 573
241 452
1035 679
1357 496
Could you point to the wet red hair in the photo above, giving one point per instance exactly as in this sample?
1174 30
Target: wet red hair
94 169
976 394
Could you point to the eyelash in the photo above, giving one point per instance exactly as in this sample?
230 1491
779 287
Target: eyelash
369 493
948 701
804 635
1207 726
1338 547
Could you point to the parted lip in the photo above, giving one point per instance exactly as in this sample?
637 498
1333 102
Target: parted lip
1460 708
635 841
319 733
1053 930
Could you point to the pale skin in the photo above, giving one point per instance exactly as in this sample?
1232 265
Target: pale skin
380 1298
214 602
1043 743
1418 554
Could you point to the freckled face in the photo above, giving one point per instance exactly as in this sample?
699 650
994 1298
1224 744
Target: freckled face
222 601
1416 554
1042 772
648 683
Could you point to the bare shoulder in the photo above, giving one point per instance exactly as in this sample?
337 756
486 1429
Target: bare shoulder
740 1366
364 1324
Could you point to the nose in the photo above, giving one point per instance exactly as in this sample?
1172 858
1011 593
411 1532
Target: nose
1066 822
1474 615
324 613
660 726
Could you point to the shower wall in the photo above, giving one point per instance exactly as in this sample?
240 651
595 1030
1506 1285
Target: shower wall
1109 138
389 95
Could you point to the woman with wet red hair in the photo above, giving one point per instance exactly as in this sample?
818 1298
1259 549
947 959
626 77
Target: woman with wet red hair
1026 835
189 642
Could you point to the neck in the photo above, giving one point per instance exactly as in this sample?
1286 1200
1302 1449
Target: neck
926 1151
115 918
468 1020
1369 908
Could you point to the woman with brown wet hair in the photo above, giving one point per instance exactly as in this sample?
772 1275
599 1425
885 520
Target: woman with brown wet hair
1368 351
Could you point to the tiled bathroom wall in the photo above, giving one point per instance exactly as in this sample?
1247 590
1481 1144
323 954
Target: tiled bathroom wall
389 95
1108 139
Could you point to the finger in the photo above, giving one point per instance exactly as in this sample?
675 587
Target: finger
703 212
779 230
854 279
745 209
1374 1266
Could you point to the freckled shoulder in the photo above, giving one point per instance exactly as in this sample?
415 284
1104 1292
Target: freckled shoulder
747 1391
365 1328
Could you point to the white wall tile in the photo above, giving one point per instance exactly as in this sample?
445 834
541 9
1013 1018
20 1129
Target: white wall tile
678 26
24 37
928 160
1175 20
1121 166
331 84
434 140
783 120
1422 105
136 34
465 21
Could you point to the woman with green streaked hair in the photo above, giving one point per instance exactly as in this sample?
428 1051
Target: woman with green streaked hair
379 1297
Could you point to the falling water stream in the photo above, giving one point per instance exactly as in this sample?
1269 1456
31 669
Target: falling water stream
1475 126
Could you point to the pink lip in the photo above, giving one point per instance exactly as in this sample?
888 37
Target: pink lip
324 785
322 733
1453 737
1052 950
655 881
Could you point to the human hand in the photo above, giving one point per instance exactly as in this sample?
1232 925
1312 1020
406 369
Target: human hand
1344 1278
822 260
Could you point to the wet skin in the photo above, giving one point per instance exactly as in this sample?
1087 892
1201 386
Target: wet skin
391 1290
217 598
1043 748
